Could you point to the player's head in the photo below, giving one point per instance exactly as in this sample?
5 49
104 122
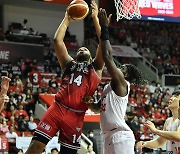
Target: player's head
174 100
83 55
54 151
132 74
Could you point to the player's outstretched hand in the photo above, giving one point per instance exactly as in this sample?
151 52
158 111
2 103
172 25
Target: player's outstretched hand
151 126
103 19
88 99
140 145
3 98
4 85
94 9
68 17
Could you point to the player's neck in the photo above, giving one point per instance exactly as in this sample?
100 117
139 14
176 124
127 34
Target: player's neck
174 114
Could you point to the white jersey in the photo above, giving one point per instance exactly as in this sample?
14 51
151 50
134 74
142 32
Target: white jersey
113 110
172 146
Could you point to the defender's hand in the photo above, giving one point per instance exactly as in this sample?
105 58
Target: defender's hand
151 126
103 19
140 145
88 99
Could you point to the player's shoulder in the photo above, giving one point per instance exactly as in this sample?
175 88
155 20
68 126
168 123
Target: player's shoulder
168 119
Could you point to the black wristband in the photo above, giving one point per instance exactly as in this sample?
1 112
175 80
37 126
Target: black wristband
104 33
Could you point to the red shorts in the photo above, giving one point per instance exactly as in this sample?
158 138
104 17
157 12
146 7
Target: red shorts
69 123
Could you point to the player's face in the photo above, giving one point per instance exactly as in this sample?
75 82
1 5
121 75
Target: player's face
124 70
174 102
83 54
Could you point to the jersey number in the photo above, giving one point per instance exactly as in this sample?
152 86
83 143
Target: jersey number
35 77
75 139
77 80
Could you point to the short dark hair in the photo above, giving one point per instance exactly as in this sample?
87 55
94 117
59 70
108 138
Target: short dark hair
54 149
90 131
177 93
135 76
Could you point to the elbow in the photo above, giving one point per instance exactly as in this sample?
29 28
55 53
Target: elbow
55 39
178 139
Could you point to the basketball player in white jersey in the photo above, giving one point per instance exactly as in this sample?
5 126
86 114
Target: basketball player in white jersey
171 132
119 138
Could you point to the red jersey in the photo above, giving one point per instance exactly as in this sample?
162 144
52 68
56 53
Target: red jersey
79 80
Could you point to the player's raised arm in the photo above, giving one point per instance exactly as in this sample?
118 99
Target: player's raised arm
61 51
98 61
116 75
3 93
4 85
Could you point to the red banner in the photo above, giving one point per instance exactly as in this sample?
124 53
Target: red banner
160 7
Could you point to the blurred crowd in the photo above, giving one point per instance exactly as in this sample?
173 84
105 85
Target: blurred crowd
158 42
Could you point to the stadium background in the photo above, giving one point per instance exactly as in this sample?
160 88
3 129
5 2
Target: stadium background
44 18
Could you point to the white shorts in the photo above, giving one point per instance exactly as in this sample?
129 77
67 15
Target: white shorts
121 142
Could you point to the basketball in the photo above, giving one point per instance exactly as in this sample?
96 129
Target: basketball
78 9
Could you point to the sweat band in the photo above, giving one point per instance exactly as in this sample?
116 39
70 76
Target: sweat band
104 33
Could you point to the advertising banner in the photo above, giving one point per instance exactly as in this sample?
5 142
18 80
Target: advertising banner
160 10
11 51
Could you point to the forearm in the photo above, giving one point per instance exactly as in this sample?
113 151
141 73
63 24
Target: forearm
99 59
169 135
156 143
106 46
61 31
97 26
106 50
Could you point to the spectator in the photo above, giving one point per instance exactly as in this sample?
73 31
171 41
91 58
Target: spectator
12 102
53 83
54 151
135 126
12 112
31 124
22 124
90 135
12 122
11 135
90 149
21 111
20 151
4 127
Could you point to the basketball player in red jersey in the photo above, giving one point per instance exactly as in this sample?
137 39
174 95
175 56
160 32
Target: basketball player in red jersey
3 93
80 78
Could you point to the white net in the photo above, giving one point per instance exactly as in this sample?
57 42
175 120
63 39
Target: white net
127 9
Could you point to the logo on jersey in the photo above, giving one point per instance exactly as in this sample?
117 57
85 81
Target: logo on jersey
103 107
45 126
78 129
80 67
